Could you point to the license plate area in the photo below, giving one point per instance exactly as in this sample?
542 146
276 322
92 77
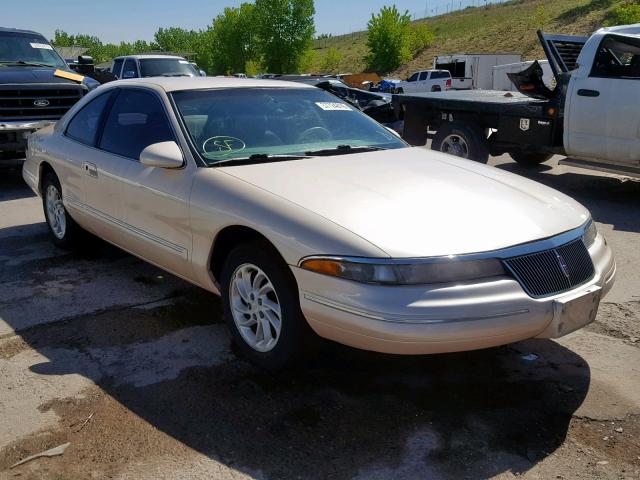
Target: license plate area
574 312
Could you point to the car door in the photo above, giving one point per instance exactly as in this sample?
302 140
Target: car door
422 85
603 108
130 69
410 86
154 222
84 189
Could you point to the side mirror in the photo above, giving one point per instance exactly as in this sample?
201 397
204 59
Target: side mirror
128 74
162 155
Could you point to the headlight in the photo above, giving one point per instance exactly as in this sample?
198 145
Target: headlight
397 273
590 234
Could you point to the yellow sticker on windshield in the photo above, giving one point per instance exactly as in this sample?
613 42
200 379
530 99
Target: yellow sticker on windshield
69 76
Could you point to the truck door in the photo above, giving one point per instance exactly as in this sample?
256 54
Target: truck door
602 116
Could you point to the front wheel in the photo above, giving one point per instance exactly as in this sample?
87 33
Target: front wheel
530 159
261 307
64 231
461 140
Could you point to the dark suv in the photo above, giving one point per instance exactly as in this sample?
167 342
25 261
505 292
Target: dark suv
33 90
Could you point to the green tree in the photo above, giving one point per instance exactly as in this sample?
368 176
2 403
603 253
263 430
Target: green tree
420 38
285 29
389 39
623 15
175 39
331 61
234 37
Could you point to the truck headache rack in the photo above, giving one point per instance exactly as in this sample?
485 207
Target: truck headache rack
561 50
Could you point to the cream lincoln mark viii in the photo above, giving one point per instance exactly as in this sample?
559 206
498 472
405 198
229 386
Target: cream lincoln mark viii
309 218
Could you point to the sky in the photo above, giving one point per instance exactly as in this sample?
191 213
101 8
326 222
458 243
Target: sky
126 20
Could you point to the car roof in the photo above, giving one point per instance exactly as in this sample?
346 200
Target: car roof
173 84
142 55
17 30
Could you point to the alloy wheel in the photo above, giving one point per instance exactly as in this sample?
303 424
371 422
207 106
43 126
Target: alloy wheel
56 215
255 307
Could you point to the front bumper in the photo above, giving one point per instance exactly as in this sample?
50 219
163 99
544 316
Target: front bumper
14 133
447 317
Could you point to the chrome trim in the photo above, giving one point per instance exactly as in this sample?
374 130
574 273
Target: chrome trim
406 319
183 252
501 254
25 124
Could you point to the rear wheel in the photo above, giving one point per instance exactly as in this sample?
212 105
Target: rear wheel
399 90
64 231
436 88
530 159
461 140
261 307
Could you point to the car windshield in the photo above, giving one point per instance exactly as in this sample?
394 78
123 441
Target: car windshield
166 67
236 123
28 49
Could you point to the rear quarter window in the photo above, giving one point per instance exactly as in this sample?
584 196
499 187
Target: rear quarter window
84 126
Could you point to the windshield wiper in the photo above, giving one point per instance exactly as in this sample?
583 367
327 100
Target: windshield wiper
259 158
344 149
22 63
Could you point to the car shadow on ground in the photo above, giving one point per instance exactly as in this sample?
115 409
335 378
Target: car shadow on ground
611 200
344 414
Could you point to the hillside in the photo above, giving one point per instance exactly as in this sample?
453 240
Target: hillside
507 27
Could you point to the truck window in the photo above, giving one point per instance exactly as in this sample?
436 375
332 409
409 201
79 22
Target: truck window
413 77
435 75
424 75
130 69
18 47
117 67
617 57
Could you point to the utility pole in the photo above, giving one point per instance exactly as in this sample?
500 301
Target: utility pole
426 9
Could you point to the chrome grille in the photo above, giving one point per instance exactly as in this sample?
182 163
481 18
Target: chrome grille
52 101
552 271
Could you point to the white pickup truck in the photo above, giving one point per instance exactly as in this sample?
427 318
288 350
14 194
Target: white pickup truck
425 81
592 116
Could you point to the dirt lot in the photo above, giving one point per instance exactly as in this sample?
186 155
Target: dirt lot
133 367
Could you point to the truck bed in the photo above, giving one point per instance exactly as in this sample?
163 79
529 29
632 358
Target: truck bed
479 101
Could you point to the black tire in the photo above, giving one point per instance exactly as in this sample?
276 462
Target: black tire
436 88
70 237
530 159
473 138
296 339
399 90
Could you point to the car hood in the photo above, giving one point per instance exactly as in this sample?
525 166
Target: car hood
417 203
32 75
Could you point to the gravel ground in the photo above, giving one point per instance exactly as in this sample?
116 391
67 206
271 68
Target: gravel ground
134 369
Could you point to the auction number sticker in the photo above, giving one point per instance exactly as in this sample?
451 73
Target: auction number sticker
333 106
44 46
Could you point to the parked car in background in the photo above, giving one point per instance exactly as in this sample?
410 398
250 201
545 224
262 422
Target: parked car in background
37 87
375 104
309 219
425 81
147 65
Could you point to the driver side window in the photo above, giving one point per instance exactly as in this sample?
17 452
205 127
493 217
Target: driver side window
136 120
413 77
617 57
130 69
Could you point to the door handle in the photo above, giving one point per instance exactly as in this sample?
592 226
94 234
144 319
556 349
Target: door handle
90 169
584 92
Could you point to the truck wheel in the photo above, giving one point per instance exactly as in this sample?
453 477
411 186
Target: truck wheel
399 90
436 88
461 140
261 307
65 232
530 159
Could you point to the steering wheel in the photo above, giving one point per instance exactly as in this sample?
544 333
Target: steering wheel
314 133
